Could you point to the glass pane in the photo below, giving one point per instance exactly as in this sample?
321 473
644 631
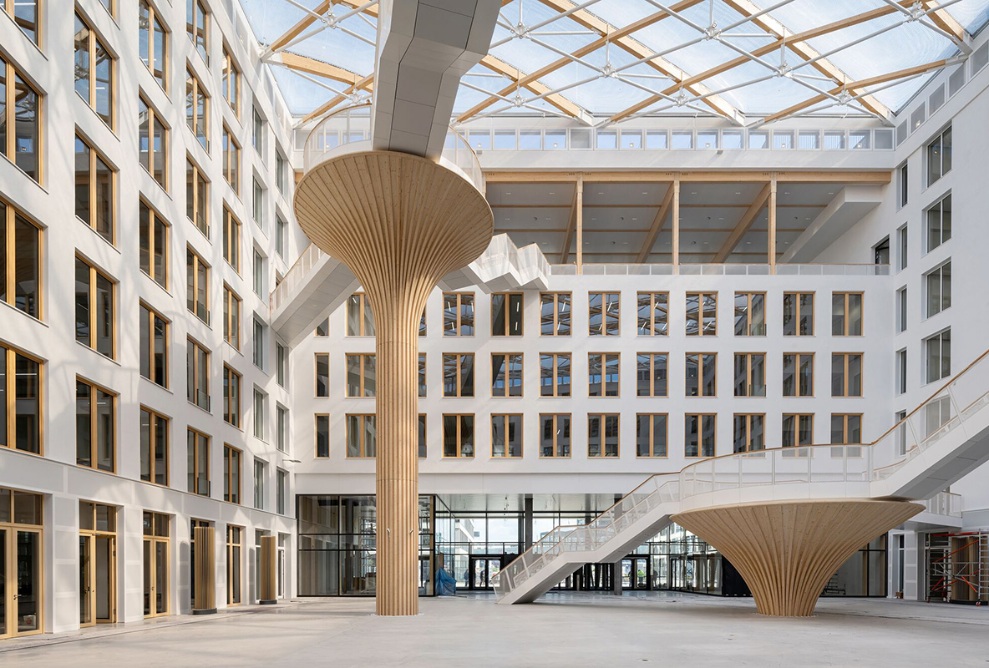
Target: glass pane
27 396
27 259
28 590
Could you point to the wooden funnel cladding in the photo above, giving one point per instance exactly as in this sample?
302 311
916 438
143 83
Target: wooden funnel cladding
401 223
787 551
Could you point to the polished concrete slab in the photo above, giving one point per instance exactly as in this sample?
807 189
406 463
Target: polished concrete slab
560 630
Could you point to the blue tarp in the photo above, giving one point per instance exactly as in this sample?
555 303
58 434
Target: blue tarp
445 584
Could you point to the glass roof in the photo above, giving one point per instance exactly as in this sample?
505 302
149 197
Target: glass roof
606 61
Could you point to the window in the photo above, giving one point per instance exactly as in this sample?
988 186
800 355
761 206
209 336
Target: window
846 375
281 480
798 374
554 374
702 313
939 156
234 565
232 458
651 374
231 317
506 435
231 396
197 375
231 159
96 181
798 314
281 428
938 223
422 323
902 184
197 108
750 374
506 375
749 432
901 310
701 374
197 25
458 314
361 435
230 81
94 70
95 298
197 197
938 351
197 285
360 318
603 374
798 430
422 435
25 15
257 202
322 374
361 374
260 408
281 232
846 314
938 284
281 365
154 244
458 374
880 252
322 435
260 473
750 314
653 313
554 313
260 273
22 146
554 439
699 434
259 334
901 371
281 172
902 246
506 314
650 434
197 447
154 346
602 435
257 132
422 375
458 435
154 447
153 42
603 313
846 428
20 260
323 328
153 142
96 420
20 413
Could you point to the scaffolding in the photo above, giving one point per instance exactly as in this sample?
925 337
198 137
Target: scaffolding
958 567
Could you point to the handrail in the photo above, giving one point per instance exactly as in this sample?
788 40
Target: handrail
946 409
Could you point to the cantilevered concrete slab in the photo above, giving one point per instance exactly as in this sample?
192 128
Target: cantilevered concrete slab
847 208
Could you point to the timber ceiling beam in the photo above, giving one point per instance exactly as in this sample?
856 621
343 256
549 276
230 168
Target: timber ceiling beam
559 101
946 22
367 83
744 223
657 225
309 65
726 176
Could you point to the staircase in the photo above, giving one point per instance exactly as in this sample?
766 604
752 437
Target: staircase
939 442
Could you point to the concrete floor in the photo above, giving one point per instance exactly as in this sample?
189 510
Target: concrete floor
561 630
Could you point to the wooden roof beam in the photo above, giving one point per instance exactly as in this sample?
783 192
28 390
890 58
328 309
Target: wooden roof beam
367 83
946 22
744 223
308 65
559 101
657 226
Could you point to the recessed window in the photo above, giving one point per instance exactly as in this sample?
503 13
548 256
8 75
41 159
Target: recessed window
651 374
361 374
197 285
154 244
197 108
902 247
653 313
154 447
602 435
260 478
937 350
20 416
458 374
361 435
258 195
154 346
95 189
798 430
197 446
197 197
846 428
96 426
281 171
798 374
903 184
701 374
230 81
555 313
506 314
281 493
231 396
20 259
258 131
197 25
26 16
750 314
95 309
554 374
651 434
798 314
422 436
259 274
322 436
702 313
281 428
458 314
699 435
322 374
94 71
604 313
153 142
360 318
506 375
458 436
846 375
554 435
603 374
938 286
153 42
281 232
260 412
901 371
938 223
234 567
281 365
506 435
749 433
23 145
231 160
259 343
197 374
750 375
422 375
880 252
846 314
939 156
901 310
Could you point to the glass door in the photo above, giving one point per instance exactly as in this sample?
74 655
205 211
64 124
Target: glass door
86 567
482 569
155 577
105 581
27 597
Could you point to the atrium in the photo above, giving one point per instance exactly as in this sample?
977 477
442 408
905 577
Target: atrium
510 300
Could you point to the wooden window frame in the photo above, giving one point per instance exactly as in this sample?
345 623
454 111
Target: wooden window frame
421 376
602 387
194 390
362 447
316 360
152 315
555 375
797 298
154 155
554 299
702 313
460 374
13 76
749 428
653 366
8 7
505 419
794 362
230 453
506 305
154 219
846 419
846 299
198 208
700 373
231 152
459 435
194 30
700 435
11 215
652 435
154 417
746 324
235 553
232 411
793 433
200 439
603 311
556 446
461 300
365 316
653 300
232 230
316 420
230 86
846 359
93 426
200 271
750 389
95 156
154 18
94 272
603 419
232 310
362 363
508 375
94 39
